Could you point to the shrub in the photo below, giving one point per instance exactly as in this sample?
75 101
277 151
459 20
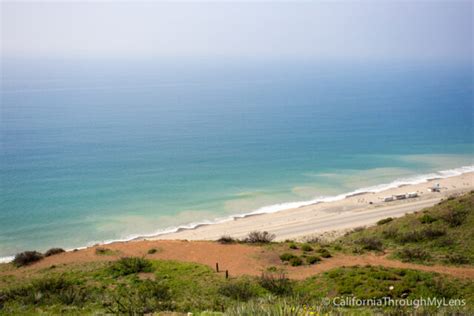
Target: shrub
324 253
455 217
241 290
292 246
152 251
457 259
287 256
103 251
130 265
427 219
413 254
413 236
384 221
25 258
313 259
296 261
390 233
370 243
259 237
53 251
48 291
445 242
432 233
225 239
306 247
144 297
278 285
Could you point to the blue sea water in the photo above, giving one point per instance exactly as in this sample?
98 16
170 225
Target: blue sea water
98 150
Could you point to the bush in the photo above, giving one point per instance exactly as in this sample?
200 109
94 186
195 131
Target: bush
413 236
103 251
48 291
25 258
324 253
312 259
144 297
413 254
278 285
390 233
131 265
287 256
292 246
432 233
370 243
384 221
296 261
152 251
53 251
455 217
427 219
241 290
225 239
259 237
306 247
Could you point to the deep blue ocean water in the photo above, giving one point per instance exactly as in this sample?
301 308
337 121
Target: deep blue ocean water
104 150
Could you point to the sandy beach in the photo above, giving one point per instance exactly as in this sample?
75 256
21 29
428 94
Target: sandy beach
330 219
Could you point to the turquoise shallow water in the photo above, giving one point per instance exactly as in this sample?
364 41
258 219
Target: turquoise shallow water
104 150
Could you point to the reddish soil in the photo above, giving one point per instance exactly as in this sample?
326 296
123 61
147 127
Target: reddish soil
238 259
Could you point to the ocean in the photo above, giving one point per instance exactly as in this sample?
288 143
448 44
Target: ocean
101 150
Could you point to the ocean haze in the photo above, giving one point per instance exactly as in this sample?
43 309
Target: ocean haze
319 30
96 150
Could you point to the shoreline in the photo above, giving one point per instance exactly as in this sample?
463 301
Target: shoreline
366 203
274 217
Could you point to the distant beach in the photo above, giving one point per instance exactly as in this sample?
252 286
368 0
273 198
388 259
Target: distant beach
330 219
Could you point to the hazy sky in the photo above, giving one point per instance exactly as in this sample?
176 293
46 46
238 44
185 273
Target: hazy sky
314 30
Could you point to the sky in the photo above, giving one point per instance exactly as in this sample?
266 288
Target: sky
425 30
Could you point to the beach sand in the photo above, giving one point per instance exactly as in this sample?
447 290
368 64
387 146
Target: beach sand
331 219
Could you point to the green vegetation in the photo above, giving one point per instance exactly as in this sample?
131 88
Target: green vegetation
296 261
384 221
53 251
126 266
152 251
313 259
26 258
186 287
306 247
139 285
442 234
293 246
105 252
257 237
226 240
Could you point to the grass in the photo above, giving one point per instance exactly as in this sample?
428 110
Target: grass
444 233
130 265
117 288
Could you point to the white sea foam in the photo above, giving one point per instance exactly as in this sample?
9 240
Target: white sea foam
289 205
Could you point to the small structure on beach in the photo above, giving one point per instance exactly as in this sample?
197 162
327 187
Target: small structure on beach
435 188
400 196
404 196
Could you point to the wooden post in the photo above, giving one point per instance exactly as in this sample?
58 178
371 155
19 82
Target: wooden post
217 267
226 274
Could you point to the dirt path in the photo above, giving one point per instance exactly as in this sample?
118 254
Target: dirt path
239 259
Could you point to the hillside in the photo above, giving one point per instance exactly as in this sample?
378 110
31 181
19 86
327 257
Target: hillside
427 254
